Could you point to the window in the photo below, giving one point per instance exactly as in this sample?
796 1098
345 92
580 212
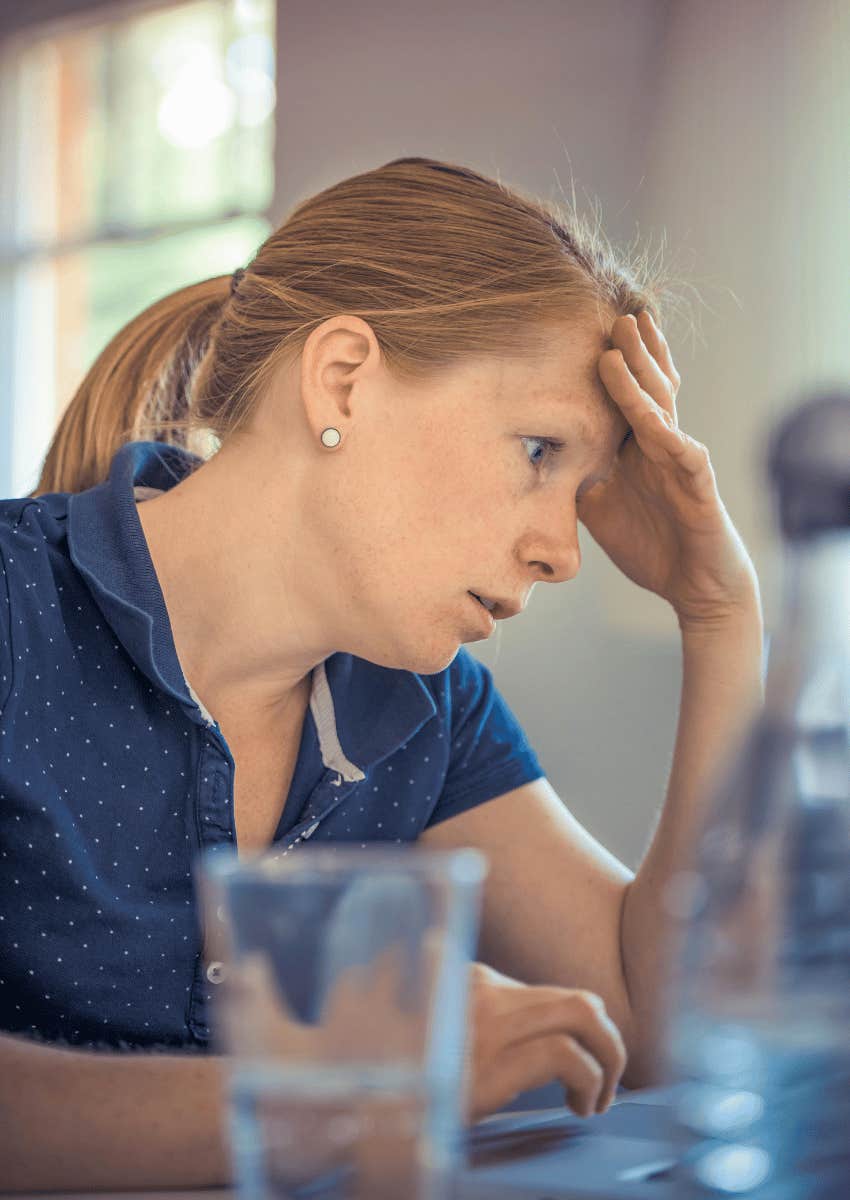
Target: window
137 156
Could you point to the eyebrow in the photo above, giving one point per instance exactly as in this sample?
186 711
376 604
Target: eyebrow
585 433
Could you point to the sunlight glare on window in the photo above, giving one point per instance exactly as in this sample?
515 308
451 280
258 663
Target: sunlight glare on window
145 163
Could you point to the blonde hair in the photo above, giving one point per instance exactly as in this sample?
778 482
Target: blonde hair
441 261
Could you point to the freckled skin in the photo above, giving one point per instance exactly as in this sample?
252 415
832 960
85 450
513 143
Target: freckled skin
296 551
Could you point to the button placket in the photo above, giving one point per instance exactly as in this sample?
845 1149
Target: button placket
214 972
214 823
214 800
316 820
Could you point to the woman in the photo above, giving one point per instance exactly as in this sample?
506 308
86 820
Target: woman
418 387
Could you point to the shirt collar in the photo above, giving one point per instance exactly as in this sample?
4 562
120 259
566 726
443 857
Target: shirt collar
363 712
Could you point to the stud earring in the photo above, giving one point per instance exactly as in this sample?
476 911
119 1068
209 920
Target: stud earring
331 437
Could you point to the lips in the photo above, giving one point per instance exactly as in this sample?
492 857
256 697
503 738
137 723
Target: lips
485 616
488 604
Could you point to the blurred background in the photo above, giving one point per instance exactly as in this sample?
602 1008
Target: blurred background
146 145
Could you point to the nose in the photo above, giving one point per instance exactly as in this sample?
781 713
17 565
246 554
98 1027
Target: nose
555 554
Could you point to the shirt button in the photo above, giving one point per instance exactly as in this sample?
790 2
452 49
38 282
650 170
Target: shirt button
215 972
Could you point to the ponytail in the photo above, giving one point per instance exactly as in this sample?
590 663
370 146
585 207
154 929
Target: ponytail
138 387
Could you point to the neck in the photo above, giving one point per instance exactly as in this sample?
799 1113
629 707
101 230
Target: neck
223 546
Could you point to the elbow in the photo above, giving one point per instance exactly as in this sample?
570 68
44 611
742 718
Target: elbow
642 1029
646 1062
643 1070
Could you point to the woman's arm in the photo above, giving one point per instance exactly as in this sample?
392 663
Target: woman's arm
721 692
82 1121
79 1120
560 909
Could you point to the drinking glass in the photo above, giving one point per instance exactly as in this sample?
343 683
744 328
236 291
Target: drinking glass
341 1010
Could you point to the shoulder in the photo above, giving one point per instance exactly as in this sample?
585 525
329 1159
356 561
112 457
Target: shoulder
33 543
29 523
32 557
489 752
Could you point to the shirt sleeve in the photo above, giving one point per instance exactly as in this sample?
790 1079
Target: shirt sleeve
489 751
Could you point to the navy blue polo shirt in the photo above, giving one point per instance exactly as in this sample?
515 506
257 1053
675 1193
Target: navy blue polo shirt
113 778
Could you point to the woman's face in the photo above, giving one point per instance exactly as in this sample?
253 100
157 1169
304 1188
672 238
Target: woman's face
443 489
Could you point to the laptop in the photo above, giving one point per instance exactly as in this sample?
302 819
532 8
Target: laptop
551 1154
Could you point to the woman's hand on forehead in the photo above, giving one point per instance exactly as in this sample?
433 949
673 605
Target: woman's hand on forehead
659 517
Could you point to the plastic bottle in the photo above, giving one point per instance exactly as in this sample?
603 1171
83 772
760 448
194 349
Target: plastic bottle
758 1030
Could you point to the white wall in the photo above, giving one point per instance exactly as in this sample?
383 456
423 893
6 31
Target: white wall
718 129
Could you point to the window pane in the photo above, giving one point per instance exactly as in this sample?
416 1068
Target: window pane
119 281
67 308
160 117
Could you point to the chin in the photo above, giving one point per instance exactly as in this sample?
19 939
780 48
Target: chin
433 664
426 656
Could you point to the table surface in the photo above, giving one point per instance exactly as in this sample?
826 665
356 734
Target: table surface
474 1182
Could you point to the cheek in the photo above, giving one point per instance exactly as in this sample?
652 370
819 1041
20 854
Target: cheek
382 539
421 520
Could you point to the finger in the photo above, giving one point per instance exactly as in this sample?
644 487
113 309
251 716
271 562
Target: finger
582 1076
657 344
600 1035
626 336
582 1015
560 1057
654 427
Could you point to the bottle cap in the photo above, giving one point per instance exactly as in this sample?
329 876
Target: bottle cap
808 464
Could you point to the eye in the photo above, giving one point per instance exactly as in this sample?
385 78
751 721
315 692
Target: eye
550 446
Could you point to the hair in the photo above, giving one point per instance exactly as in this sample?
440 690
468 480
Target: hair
442 262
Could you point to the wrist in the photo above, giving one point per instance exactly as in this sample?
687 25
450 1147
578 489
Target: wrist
743 615
730 649
747 626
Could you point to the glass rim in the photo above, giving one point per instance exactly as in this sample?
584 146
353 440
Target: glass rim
464 865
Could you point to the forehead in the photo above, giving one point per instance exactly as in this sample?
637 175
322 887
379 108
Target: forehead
561 382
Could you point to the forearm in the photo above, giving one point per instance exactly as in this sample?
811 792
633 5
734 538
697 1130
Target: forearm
76 1120
721 692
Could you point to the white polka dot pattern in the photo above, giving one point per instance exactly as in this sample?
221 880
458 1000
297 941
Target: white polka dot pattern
112 779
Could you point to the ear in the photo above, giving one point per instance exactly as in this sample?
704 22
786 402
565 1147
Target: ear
338 355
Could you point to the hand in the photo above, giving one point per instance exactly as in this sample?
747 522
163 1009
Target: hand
659 516
523 1036
520 1036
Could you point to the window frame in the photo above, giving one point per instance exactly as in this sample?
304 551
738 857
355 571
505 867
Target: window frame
14 255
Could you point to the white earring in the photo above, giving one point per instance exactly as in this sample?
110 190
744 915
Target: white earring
331 437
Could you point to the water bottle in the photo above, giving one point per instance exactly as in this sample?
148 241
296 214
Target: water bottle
758 1025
